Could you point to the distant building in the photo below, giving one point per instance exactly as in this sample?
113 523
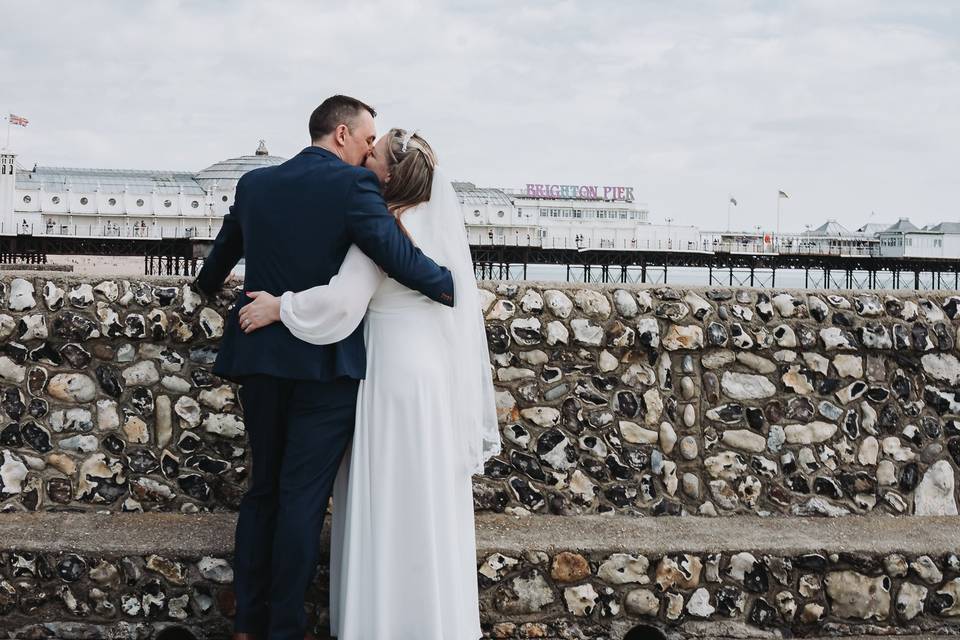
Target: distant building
832 238
155 204
873 228
905 239
566 216
121 202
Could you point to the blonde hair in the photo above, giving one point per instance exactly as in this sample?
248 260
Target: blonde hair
411 171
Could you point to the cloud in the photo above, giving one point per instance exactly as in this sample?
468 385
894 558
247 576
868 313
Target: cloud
849 106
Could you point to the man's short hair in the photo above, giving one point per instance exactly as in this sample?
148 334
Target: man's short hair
334 111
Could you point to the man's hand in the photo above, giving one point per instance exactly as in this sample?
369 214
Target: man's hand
264 310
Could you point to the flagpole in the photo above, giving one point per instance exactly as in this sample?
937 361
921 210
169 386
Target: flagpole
8 133
728 215
778 216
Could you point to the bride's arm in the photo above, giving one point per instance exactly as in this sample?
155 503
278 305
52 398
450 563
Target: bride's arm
329 313
324 314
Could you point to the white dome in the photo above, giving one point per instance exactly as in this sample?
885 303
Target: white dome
224 174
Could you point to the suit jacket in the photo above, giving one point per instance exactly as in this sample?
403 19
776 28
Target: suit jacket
293 224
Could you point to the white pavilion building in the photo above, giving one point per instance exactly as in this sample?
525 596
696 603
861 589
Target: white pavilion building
120 202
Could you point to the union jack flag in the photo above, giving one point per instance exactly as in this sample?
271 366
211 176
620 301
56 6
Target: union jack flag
17 120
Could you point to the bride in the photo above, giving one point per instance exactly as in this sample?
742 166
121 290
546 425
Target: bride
403 558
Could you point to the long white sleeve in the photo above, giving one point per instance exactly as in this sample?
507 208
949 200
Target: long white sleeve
329 313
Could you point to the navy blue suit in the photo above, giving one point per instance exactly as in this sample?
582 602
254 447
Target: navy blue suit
293 224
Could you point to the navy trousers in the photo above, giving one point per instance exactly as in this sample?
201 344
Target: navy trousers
298 432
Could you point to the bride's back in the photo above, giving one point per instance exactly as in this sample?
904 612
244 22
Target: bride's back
392 296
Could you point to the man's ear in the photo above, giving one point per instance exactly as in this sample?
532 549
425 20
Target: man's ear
340 134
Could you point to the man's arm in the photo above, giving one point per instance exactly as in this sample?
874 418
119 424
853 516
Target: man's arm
376 232
226 252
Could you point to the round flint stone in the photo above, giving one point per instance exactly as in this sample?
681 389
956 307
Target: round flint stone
142 461
36 437
46 353
215 570
763 613
189 442
140 292
74 327
194 486
12 403
170 464
716 334
207 464
211 323
71 568
142 399
109 379
526 493
53 296
165 295
77 356
11 370
113 444
204 355
558 303
497 338
21 295
203 378
10 436
72 387
134 326
15 352
526 331
141 373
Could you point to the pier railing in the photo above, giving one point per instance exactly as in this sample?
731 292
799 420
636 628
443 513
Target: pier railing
785 247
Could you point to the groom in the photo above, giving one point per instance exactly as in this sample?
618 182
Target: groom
293 223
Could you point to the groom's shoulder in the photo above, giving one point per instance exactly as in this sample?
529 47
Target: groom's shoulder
254 176
361 174
353 178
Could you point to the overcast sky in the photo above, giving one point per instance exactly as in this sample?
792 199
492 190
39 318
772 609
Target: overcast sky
850 106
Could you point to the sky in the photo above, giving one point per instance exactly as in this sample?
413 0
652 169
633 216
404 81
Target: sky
852 107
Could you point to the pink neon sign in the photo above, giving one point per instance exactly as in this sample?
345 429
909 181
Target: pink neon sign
582 192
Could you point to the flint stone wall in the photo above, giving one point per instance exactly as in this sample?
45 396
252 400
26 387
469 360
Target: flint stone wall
84 576
722 401
617 402
637 401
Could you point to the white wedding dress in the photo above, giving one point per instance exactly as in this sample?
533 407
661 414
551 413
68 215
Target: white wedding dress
403 556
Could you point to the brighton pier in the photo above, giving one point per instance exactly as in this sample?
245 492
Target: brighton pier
677 462
579 233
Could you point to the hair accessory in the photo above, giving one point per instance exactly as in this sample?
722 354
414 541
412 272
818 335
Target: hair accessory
405 140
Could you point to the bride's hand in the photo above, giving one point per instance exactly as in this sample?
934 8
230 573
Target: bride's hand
264 310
